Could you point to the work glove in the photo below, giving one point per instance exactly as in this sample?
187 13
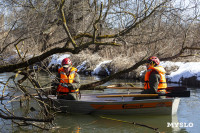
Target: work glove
64 85
54 84
69 86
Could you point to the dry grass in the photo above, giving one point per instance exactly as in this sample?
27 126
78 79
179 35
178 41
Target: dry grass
117 64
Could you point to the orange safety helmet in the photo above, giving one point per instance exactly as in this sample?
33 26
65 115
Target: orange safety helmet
153 60
66 62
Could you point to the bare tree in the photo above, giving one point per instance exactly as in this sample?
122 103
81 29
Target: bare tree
37 29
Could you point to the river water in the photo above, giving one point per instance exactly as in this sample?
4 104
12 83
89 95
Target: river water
187 117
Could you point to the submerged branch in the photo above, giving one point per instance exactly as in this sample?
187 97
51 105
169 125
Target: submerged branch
26 118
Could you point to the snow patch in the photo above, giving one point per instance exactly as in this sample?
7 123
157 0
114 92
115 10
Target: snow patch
82 66
57 59
99 67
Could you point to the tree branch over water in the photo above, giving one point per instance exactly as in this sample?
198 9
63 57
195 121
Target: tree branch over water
132 30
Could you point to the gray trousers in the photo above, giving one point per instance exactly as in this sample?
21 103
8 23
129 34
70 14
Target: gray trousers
70 96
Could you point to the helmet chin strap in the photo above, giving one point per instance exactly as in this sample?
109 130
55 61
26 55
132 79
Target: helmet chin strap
68 70
152 63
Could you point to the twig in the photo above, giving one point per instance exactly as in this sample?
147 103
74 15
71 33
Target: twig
134 123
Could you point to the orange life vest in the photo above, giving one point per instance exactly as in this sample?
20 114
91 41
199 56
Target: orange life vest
66 79
162 83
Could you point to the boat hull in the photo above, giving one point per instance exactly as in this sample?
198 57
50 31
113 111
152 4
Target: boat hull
90 104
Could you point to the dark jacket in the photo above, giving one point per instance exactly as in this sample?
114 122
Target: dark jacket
154 79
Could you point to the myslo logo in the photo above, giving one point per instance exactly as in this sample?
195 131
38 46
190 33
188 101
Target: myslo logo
179 124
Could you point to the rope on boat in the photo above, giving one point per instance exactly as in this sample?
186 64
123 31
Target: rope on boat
134 123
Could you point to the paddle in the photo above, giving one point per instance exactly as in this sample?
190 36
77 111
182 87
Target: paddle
176 94
170 89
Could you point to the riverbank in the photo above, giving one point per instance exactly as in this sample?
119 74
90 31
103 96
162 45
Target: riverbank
184 73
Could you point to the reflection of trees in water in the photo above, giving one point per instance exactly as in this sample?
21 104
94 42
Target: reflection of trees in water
117 123
38 29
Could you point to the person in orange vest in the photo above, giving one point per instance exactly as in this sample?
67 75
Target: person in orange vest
154 81
69 81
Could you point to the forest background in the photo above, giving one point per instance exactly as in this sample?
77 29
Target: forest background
124 31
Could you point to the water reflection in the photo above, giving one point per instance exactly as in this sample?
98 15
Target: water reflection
188 112
113 123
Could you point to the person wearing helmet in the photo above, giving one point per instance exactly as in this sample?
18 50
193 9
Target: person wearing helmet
154 81
69 81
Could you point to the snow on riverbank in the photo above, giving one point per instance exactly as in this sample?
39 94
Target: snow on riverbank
57 59
98 68
184 69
